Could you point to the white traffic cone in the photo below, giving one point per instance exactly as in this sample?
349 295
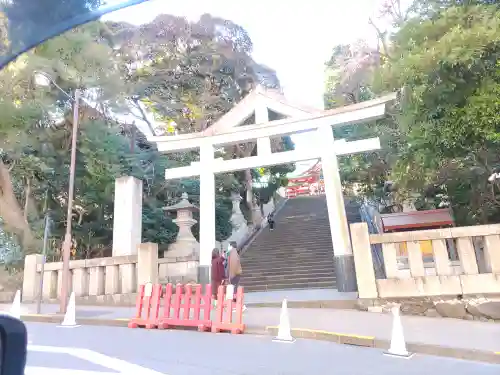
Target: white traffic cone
69 320
398 343
15 309
284 332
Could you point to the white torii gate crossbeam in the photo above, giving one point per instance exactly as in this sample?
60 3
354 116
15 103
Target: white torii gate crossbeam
222 166
363 112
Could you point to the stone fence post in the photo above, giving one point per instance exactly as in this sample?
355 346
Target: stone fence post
147 263
31 278
363 261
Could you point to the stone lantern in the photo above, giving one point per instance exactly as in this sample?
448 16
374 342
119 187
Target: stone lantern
185 243
237 218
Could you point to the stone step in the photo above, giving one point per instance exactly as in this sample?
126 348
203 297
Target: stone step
247 276
290 272
320 243
283 266
293 230
285 250
280 275
289 227
286 254
290 257
296 242
302 224
292 235
297 239
324 247
325 263
288 249
285 284
301 217
290 286
306 256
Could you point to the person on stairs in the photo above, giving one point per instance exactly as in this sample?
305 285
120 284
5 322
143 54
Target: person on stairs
218 273
234 269
270 221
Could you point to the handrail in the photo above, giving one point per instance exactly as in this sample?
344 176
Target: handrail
378 259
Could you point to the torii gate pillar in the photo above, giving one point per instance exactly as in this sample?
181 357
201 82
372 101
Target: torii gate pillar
207 213
345 271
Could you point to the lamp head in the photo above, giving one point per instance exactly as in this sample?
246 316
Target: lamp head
41 79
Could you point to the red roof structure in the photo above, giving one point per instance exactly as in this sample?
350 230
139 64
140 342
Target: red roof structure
417 220
314 171
306 183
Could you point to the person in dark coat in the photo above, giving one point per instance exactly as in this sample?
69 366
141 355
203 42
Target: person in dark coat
270 221
218 273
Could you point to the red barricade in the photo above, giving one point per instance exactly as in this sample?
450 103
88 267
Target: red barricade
147 306
227 319
188 302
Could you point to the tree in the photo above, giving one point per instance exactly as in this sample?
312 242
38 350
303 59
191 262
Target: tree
205 68
442 142
349 76
25 25
450 73
190 74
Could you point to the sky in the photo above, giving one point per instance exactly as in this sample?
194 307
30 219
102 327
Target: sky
293 37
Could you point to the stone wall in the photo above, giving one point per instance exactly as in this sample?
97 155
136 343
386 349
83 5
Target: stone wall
182 270
469 308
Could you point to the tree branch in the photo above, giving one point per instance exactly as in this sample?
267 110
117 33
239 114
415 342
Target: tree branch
381 37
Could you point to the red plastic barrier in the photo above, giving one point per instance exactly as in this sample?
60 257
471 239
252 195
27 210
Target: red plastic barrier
187 301
147 306
225 318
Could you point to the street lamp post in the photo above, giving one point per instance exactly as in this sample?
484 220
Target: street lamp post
45 79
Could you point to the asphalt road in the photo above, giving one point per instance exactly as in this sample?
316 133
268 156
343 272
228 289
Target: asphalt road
91 350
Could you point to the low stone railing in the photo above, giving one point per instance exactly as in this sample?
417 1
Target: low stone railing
476 271
112 280
463 269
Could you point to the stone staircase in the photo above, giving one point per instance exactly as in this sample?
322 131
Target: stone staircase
298 253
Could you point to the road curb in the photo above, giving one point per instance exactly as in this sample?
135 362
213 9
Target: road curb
58 318
373 342
336 337
318 304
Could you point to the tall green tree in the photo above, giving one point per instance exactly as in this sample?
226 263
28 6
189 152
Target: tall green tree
114 70
189 74
442 141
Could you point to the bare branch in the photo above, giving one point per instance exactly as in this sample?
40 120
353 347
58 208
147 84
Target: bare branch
381 38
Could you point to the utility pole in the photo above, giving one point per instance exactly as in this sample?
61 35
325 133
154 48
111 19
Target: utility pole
66 248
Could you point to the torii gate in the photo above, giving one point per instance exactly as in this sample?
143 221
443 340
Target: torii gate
226 131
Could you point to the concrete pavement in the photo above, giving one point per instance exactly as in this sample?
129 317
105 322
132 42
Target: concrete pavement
448 333
89 350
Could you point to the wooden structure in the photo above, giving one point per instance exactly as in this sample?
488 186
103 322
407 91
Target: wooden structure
417 220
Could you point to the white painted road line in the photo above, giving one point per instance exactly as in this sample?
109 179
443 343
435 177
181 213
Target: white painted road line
115 364
31 370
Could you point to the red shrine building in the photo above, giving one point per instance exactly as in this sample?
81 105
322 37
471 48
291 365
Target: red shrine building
309 182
